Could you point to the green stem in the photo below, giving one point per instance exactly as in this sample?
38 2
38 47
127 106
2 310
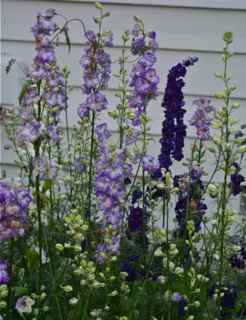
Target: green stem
91 164
166 208
224 198
10 285
144 181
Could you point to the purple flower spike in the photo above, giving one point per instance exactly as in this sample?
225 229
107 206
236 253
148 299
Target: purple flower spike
96 64
202 117
173 127
144 79
44 73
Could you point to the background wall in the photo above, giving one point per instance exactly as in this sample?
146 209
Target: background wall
184 27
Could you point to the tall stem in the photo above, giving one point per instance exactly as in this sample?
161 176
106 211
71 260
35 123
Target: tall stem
224 199
91 164
166 214
37 146
143 176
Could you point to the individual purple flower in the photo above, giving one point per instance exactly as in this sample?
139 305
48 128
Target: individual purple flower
177 297
90 36
181 301
30 132
150 164
173 127
202 117
14 204
4 275
47 168
55 133
102 132
196 172
79 165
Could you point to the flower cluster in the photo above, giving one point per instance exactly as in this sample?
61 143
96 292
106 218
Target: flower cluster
190 205
110 173
144 79
96 64
202 117
14 204
173 127
4 276
45 94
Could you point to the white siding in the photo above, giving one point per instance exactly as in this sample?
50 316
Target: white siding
184 27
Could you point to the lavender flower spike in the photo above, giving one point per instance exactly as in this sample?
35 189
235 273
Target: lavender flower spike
202 117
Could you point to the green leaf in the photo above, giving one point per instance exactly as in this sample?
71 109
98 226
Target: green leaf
24 90
20 291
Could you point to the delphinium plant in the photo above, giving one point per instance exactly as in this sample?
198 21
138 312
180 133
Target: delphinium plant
96 227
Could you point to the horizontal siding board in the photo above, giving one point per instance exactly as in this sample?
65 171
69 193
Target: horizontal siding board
201 4
178 28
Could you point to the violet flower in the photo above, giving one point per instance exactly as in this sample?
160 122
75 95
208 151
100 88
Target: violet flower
14 204
4 276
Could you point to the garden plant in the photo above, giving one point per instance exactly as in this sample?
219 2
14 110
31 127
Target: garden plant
96 227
